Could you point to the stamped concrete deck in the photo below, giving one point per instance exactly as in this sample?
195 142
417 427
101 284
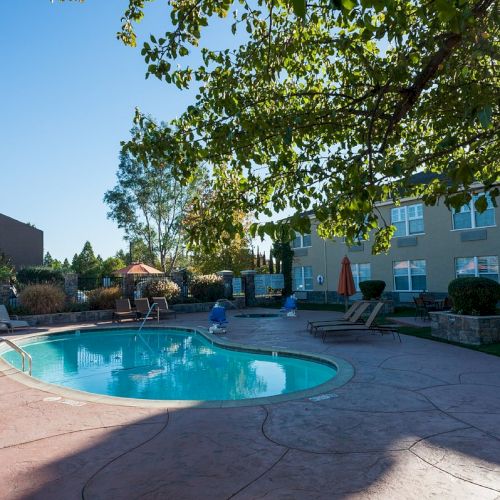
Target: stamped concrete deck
419 419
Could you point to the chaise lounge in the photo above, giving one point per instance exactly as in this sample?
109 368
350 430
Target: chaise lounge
123 310
11 323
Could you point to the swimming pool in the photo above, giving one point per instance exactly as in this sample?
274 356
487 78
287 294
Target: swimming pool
165 364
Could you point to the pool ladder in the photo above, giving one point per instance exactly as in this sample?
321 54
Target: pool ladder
153 305
21 351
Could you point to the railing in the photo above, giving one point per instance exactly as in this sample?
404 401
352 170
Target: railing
153 305
21 351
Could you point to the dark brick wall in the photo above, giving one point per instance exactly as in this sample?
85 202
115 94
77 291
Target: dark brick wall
21 242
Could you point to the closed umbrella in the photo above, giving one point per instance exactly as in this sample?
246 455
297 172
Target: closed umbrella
346 282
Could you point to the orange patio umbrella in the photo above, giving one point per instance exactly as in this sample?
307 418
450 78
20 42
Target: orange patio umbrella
137 268
346 282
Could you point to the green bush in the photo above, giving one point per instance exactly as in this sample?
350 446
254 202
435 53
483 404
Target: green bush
207 288
474 296
372 289
103 298
162 288
42 299
40 274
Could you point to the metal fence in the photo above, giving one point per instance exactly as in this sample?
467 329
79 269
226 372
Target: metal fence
268 284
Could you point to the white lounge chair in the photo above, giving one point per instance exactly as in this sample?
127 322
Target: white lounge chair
11 323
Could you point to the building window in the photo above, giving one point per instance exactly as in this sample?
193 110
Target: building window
467 217
302 278
408 220
410 276
360 272
301 241
483 267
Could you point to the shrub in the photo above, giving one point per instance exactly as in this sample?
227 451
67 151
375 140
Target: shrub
372 289
207 288
474 296
42 299
162 288
103 298
40 274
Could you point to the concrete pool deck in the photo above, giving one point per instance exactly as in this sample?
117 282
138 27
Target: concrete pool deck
419 419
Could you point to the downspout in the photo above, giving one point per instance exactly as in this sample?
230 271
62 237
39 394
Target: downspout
326 272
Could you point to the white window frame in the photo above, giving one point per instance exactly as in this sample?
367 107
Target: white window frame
472 212
476 265
409 275
301 238
297 288
356 276
407 219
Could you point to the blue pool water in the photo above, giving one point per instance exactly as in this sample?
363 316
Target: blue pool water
165 364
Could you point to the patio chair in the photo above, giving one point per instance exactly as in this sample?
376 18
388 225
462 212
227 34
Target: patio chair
353 320
123 310
421 309
368 326
11 323
347 315
163 308
142 308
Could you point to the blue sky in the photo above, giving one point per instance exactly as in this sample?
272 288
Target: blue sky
68 90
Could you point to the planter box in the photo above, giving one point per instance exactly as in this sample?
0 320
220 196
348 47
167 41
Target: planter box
473 330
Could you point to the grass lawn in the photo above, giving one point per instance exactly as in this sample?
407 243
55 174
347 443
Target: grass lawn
425 333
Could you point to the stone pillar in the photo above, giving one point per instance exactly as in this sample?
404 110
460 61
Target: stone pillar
4 293
227 277
248 285
71 286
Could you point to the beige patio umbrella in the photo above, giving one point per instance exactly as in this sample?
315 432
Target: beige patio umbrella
137 268
346 282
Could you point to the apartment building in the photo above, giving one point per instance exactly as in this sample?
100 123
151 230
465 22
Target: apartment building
21 242
431 246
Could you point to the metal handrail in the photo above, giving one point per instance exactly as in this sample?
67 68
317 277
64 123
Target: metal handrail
153 305
21 351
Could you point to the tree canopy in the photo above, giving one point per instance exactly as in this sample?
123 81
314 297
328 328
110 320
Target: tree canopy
149 203
329 107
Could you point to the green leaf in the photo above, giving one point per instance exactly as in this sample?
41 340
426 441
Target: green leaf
299 8
484 116
348 4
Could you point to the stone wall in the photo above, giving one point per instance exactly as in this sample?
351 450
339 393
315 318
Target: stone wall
473 330
106 314
68 317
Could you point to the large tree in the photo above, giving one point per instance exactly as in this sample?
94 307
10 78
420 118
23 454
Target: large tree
149 202
225 251
330 106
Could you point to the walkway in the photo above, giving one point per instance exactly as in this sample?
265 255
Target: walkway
419 419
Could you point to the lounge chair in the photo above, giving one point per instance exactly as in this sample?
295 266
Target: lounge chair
142 308
346 317
123 310
353 320
11 323
368 326
163 308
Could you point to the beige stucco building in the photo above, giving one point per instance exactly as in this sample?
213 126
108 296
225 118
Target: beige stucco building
432 246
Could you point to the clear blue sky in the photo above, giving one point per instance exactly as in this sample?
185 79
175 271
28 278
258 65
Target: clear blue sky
68 90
